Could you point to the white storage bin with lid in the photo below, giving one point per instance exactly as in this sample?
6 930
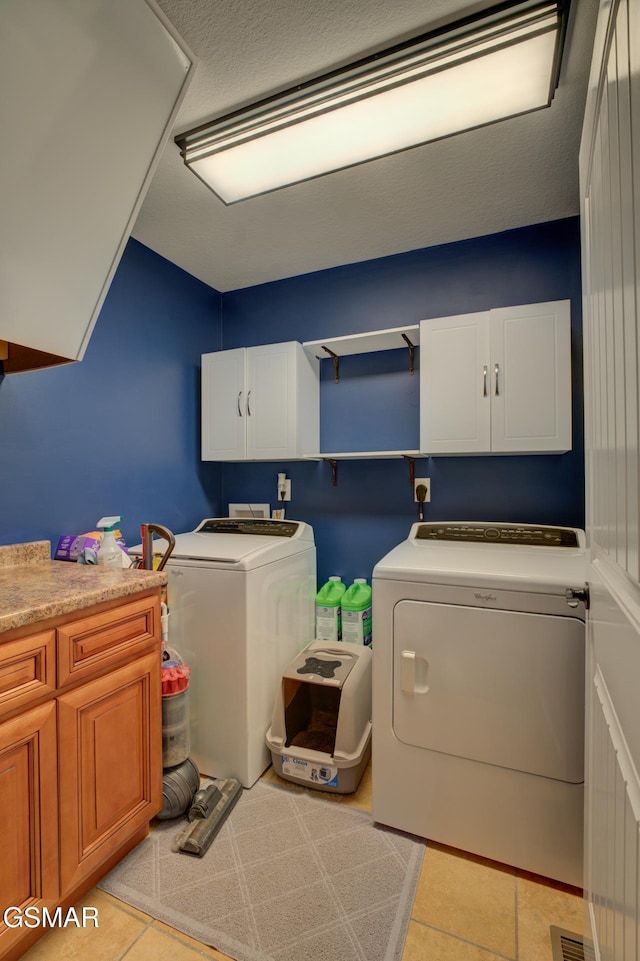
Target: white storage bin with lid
320 733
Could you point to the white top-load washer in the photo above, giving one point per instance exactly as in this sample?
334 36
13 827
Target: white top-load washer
478 691
241 601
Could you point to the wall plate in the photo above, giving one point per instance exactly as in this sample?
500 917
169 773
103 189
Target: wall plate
427 484
249 510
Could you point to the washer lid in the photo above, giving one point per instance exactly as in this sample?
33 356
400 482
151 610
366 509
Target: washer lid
238 542
522 557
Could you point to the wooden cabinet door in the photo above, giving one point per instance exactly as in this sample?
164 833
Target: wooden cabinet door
224 405
110 750
455 402
531 378
271 402
28 816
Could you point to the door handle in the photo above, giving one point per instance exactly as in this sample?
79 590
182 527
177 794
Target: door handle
239 407
496 371
413 673
249 404
484 380
408 675
576 594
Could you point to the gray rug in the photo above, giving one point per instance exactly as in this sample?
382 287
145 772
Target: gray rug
290 877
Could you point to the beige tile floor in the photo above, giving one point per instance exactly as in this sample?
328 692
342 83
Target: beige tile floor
466 908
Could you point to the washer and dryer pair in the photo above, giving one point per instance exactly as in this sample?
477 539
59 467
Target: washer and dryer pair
478 673
478 691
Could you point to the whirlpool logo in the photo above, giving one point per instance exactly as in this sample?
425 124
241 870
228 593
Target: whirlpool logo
485 596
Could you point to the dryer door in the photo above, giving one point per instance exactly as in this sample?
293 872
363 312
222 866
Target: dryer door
502 687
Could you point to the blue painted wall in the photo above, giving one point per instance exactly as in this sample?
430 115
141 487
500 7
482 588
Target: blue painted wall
119 432
375 405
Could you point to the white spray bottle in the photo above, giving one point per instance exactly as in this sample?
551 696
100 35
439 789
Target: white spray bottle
109 554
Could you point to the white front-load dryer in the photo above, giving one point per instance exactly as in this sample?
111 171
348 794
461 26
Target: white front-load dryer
478 692
241 597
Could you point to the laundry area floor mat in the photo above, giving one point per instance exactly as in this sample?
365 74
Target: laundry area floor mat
290 877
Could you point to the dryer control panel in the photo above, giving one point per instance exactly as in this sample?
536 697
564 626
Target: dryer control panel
525 534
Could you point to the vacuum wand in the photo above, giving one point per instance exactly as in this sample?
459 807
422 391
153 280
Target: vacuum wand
146 533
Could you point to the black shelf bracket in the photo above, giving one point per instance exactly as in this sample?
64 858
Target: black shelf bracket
412 469
412 352
334 470
336 363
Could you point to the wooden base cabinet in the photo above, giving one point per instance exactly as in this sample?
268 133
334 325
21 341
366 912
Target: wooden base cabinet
80 755
110 781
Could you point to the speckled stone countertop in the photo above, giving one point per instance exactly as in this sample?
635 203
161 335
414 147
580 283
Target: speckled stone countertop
34 588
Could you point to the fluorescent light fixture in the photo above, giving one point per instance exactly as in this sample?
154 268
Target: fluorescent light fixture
500 63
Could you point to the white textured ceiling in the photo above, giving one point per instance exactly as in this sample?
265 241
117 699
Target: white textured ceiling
511 174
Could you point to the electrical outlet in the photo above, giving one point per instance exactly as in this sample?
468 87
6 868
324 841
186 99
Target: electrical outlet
284 487
427 484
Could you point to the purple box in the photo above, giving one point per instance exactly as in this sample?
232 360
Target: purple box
70 546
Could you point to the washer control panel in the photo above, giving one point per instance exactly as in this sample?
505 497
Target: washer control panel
528 535
247 525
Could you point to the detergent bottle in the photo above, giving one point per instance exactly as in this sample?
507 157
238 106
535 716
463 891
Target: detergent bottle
109 554
356 613
328 611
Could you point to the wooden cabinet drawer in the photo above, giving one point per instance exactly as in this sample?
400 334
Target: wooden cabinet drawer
27 670
90 644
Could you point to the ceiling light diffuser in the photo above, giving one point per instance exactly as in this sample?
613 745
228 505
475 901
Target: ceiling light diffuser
479 70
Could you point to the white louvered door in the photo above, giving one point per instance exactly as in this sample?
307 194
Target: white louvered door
610 191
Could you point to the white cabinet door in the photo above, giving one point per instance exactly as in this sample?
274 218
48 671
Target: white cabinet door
497 381
223 405
271 402
90 92
260 403
531 378
454 384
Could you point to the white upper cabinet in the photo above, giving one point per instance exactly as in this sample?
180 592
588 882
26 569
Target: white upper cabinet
260 403
498 381
90 93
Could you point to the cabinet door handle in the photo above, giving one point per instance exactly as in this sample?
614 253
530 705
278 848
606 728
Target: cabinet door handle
496 371
249 404
239 407
484 381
